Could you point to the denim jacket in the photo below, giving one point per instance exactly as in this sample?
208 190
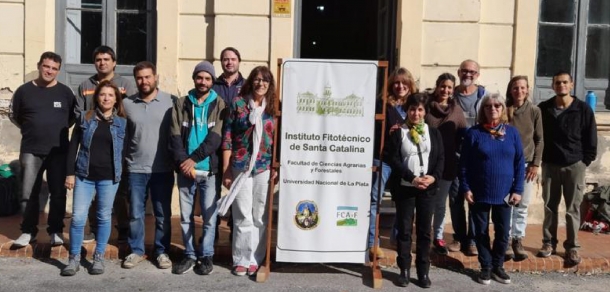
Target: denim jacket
88 126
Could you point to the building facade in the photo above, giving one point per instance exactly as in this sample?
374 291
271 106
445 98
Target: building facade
429 37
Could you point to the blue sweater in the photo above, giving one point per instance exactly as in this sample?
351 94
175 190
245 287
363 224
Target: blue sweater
491 168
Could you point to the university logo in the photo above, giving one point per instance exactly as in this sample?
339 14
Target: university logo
347 216
306 216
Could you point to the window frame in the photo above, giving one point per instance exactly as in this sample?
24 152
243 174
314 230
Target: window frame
73 73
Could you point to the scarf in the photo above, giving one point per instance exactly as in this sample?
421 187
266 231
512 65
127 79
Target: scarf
415 131
496 131
256 119
101 117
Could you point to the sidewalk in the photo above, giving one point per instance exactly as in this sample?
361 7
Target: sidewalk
595 250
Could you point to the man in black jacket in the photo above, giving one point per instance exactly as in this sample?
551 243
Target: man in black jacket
570 145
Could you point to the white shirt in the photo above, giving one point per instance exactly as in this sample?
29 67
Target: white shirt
408 152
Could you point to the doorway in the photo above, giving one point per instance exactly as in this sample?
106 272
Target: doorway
347 29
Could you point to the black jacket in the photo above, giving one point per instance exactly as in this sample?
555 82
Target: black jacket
392 156
571 136
181 128
392 117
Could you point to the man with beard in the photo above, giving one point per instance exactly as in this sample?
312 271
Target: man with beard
149 164
570 145
44 111
104 59
228 84
196 132
468 95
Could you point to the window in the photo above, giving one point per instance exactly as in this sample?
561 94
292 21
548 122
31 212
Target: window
128 26
574 36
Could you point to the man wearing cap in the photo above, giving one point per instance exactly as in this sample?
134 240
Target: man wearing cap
196 131
149 166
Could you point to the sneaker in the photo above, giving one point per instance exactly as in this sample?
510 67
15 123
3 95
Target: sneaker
485 277
572 258
132 260
23 240
518 250
546 251
440 246
72 267
184 266
163 261
89 238
204 266
239 271
380 253
56 239
252 269
454 246
97 268
500 275
471 250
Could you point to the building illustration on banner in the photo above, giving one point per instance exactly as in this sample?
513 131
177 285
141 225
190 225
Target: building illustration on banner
306 216
310 103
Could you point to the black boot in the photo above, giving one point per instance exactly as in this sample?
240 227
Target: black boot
424 281
403 278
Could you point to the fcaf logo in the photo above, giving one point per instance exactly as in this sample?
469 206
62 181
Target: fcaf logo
347 216
306 216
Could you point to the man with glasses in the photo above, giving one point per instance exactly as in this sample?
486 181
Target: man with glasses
468 95
570 145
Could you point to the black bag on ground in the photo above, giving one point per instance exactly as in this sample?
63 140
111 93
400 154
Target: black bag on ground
9 202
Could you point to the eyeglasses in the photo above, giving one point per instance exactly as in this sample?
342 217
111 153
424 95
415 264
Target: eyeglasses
466 71
495 105
260 80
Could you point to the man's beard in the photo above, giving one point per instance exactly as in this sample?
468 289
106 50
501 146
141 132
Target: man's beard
466 82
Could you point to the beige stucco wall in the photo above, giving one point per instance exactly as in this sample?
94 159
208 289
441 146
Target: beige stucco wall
438 35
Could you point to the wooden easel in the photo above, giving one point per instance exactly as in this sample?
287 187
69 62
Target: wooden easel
264 270
375 269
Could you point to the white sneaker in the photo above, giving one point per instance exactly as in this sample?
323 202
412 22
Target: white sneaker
56 239
23 240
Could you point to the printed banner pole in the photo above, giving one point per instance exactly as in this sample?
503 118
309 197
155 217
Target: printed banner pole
375 269
263 272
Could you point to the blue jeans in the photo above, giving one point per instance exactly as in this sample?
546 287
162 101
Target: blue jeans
440 208
519 213
160 186
491 257
462 225
207 201
375 197
84 190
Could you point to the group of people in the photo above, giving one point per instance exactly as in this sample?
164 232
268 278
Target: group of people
131 140
459 141
456 142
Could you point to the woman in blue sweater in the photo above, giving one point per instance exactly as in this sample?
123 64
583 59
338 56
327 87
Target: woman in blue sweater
99 138
491 178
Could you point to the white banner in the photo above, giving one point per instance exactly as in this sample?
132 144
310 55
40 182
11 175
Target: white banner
327 133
